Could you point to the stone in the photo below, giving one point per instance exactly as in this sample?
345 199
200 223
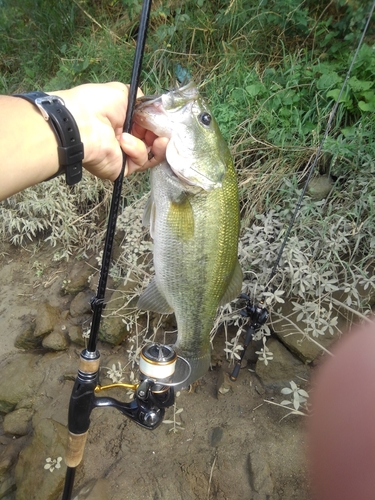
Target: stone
20 379
283 368
17 423
46 319
78 278
308 350
33 481
7 486
290 332
27 340
56 341
319 187
112 329
81 304
75 335
10 454
65 315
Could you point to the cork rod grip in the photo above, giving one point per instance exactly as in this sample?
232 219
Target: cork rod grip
75 449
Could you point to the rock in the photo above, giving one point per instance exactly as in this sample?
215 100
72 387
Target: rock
10 454
81 304
56 341
78 278
290 331
112 329
27 340
33 481
306 349
319 187
96 489
46 319
20 379
283 368
16 423
7 486
64 316
75 335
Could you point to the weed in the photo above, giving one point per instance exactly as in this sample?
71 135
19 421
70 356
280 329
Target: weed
176 425
298 396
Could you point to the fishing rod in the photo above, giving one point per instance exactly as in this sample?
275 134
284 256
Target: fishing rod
257 315
155 391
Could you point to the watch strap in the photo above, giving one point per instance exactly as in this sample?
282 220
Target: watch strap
70 149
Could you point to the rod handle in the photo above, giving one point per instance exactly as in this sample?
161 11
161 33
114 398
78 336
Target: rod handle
75 448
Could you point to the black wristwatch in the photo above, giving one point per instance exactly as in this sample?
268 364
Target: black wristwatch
70 149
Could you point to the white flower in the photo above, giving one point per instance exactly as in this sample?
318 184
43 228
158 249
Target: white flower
53 463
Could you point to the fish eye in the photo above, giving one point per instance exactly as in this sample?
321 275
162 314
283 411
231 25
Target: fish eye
205 119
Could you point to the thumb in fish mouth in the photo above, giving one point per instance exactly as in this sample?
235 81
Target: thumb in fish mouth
156 153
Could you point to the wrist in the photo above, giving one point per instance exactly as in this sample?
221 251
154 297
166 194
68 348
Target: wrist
64 126
83 118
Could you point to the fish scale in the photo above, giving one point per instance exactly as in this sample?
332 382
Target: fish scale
194 222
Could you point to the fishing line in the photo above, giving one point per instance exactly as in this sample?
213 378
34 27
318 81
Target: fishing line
317 154
258 314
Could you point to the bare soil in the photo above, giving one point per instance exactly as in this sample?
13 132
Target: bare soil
231 446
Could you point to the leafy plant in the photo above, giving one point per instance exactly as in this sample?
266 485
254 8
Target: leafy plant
64 217
298 396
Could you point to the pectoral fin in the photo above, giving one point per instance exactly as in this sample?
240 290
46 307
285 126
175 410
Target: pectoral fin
181 218
148 218
234 287
153 300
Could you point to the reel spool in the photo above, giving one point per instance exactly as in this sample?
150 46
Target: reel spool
158 362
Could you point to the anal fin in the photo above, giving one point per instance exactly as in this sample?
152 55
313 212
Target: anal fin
153 300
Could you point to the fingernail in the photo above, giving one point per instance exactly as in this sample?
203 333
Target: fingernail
129 139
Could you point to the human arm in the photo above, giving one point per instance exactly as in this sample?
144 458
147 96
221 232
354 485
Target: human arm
28 146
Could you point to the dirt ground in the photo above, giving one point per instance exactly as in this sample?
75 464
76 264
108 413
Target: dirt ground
231 446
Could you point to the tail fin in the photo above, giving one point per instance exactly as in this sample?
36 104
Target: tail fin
199 366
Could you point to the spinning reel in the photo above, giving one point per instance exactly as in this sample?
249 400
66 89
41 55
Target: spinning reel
152 395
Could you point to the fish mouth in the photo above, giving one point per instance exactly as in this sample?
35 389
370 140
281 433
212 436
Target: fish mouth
175 97
204 180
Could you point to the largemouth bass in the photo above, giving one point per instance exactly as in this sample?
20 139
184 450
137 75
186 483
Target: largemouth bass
193 214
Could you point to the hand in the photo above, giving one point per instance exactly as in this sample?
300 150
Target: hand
100 110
